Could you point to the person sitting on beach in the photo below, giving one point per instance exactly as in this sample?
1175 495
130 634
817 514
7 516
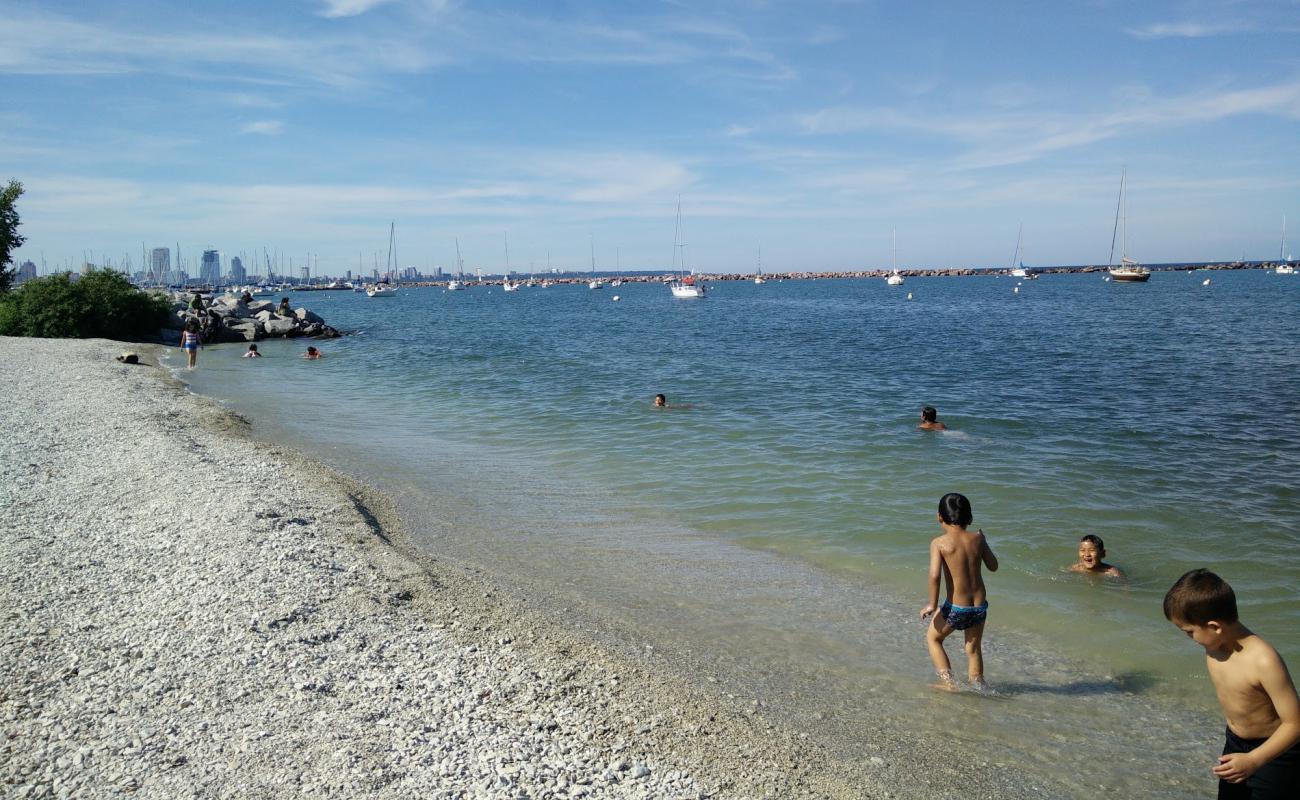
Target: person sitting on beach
956 556
930 420
190 342
1261 749
1091 553
252 352
312 353
283 309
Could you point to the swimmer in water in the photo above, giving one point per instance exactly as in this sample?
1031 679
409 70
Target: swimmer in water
930 420
661 401
1091 553
312 353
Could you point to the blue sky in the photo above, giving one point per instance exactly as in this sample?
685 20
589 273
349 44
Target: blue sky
807 129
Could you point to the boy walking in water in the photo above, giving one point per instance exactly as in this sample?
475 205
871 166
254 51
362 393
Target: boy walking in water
1261 750
957 555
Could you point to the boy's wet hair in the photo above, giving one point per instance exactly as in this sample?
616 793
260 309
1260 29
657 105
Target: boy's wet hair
954 509
253 347
1096 542
929 414
1200 597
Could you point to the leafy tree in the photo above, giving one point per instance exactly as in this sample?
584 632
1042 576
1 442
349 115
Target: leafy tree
102 304
9 238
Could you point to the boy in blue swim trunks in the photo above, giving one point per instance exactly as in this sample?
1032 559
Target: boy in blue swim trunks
957 555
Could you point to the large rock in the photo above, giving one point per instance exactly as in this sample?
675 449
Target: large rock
307 316
264 315
278 326
245 330
260 305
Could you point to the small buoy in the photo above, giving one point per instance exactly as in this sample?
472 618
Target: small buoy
1016 290
615 298
1205 282
909 295
1106 279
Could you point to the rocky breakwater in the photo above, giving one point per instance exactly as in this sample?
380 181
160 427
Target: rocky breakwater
231 319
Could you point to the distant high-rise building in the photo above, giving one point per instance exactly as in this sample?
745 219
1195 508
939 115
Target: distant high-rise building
437 273
237 272
26 271
87 268
306 274
210 268
160 263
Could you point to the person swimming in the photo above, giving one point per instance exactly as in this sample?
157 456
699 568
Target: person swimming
1091 553
930 420
312 353
661 401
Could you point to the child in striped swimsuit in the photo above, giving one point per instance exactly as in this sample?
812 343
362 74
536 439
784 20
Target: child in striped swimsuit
190 342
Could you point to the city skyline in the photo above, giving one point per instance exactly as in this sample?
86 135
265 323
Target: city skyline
810 132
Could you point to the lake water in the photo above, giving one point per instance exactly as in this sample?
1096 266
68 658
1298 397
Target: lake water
773 535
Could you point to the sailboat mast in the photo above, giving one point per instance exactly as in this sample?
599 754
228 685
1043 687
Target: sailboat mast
1119 204
507 238
1019 238
592 239
893 250
1281 250
1123 224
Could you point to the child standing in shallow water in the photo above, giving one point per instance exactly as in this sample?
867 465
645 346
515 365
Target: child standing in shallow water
1261 749
957 555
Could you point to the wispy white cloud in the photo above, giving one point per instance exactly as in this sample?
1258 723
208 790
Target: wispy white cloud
348 8
1187 30
1012 137
269 127
48 44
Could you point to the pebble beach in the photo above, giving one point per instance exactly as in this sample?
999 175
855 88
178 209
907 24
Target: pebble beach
192 613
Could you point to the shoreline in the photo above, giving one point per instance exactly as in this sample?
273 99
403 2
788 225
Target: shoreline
273 632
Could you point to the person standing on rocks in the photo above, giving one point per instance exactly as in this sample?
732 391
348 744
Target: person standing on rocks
190 342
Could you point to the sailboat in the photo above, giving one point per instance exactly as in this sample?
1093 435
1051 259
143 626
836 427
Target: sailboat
383 288
1018 268
593 283
1128 271
1283 261
894 278
506 285
618 266
758 278
685 286
459 283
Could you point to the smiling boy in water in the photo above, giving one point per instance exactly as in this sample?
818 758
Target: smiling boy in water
1261 749
957 555
1091 553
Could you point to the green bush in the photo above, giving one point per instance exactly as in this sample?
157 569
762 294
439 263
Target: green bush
102 304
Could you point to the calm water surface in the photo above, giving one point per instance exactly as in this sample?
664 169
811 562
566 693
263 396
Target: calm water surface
774 533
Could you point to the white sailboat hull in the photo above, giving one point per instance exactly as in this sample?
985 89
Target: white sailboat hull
381 292
686 290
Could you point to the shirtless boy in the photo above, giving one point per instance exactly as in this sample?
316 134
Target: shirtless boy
930 420
1261 750
1092 552
957 555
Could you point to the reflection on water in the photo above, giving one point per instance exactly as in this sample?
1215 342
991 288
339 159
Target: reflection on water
774 535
